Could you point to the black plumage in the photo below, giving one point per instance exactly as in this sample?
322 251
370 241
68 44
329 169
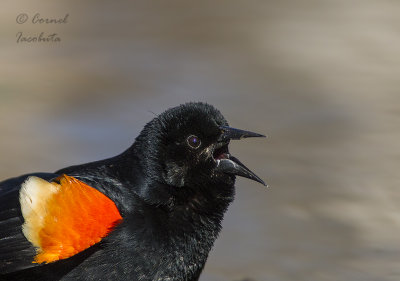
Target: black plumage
172 188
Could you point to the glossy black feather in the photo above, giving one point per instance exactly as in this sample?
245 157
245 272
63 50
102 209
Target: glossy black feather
169 194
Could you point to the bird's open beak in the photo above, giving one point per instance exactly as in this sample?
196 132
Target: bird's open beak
231 165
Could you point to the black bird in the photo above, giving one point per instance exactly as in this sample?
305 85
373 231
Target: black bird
150 213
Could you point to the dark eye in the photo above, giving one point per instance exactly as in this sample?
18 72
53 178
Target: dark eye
193 141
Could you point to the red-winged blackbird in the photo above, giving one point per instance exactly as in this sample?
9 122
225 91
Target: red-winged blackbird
150 213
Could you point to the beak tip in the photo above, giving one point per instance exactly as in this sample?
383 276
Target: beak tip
256 135
229 133
262 182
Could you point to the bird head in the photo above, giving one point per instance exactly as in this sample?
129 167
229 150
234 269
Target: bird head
188 146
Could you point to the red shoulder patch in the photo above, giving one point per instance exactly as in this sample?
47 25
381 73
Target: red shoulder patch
64 219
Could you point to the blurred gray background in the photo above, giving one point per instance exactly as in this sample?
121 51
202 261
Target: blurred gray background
321 78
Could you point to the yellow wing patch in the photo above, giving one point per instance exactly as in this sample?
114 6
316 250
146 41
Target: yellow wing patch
63 219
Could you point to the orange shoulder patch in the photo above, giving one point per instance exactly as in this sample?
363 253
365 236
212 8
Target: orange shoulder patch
63 219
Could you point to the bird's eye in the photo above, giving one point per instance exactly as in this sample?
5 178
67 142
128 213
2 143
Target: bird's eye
193 141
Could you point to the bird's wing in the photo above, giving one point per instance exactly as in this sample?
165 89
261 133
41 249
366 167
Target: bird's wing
16 252
60 219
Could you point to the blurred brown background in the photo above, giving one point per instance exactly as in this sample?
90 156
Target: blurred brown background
321 78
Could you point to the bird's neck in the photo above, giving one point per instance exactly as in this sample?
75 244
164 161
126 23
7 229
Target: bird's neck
186 232
197 222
